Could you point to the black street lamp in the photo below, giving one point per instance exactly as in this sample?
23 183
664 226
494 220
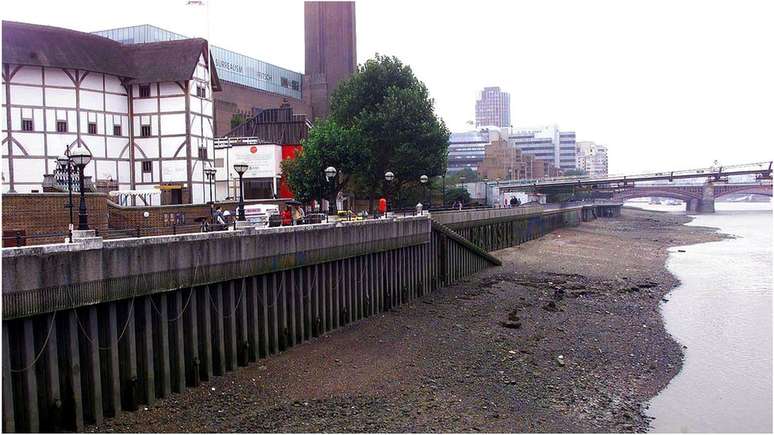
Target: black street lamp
241 168
389 176
66 165
209 171
423 179
81 157
330 174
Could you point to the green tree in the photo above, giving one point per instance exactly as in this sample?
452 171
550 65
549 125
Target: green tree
470 175
574 172
388 111
328 144
237 120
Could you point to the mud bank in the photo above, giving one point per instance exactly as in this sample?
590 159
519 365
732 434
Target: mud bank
566 336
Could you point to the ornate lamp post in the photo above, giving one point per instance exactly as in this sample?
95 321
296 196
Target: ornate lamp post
423 179
241 168
389 176
66 165
81 157
209 171
330 174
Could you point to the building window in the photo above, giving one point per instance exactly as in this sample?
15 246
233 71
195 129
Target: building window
284 82
61 126
92 128
27 125
147 167
116 130
202 153
219 163
201 91
295 85
145 131
144 91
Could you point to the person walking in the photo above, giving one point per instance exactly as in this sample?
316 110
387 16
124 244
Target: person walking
220 219
287 216
298 215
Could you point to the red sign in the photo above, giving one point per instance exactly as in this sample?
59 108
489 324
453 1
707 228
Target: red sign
288 152
253 150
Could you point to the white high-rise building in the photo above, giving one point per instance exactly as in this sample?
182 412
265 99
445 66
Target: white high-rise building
592 158
143 111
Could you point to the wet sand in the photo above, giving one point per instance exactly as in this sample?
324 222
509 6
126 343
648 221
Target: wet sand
566 336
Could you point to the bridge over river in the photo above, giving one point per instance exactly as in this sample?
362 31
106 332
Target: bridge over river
98 327
699 198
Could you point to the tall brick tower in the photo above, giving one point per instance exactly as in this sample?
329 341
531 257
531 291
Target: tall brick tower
331 56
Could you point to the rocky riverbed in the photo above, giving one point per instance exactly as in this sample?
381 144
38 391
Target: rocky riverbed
566 336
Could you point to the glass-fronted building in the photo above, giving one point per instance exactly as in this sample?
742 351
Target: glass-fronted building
232 66
467 150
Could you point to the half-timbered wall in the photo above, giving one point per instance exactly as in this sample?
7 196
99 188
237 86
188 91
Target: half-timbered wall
180 122
48 97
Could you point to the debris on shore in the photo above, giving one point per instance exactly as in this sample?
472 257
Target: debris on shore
566 336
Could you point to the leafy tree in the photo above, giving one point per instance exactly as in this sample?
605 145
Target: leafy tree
328 144
237 120
457 194
388 111
470 175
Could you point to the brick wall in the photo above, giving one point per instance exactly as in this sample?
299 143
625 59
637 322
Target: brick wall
165 219
43 218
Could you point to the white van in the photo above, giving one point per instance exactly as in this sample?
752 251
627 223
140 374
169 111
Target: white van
258 214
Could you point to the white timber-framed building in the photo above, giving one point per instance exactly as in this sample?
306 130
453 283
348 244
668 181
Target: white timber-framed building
144 111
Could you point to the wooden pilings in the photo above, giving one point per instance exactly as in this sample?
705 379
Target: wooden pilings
74 367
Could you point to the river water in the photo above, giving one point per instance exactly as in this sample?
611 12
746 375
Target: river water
722 312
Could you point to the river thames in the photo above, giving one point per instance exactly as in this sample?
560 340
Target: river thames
722 313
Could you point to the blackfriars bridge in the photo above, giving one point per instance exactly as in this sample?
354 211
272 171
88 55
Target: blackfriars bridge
698 198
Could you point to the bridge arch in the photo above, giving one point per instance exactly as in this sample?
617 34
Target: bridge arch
764 190
681 194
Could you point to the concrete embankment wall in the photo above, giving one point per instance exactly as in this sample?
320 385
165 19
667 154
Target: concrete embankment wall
502 228
94 329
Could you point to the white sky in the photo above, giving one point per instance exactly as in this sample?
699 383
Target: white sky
665 84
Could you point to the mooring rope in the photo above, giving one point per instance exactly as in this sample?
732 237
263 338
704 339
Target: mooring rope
42 348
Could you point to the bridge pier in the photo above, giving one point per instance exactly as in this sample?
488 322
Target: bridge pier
705 204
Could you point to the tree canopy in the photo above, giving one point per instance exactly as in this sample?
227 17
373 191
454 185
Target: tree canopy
381 119
328 144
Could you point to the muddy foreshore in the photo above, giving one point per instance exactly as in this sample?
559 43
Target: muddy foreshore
566 336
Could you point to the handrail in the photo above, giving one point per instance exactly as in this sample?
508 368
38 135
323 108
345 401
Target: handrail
448 232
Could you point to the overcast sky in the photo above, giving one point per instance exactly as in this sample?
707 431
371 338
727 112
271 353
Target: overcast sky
665 84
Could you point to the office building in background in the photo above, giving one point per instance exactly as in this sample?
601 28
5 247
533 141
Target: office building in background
493 108
249 85
547 143
592 158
